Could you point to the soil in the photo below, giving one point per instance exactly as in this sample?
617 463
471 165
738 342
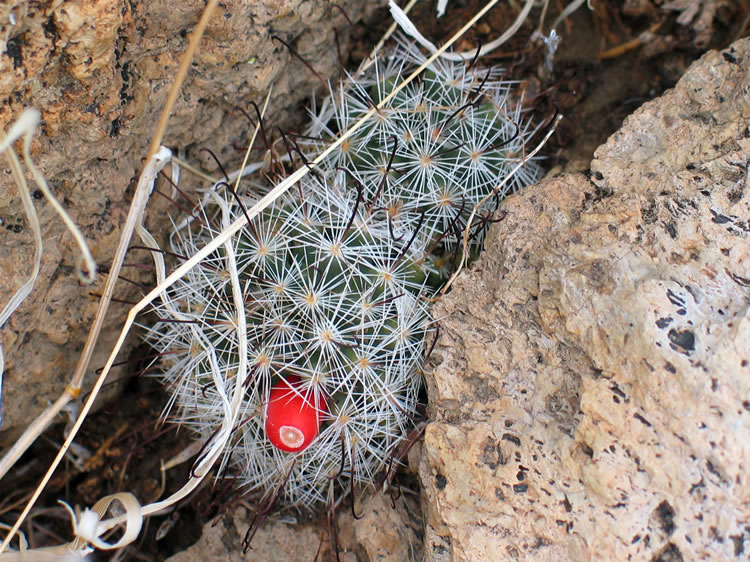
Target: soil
593 93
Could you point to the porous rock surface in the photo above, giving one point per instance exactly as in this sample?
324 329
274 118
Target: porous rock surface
99 72
274 542
387 529
590 391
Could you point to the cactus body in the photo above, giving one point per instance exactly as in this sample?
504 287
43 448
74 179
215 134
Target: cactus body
335 282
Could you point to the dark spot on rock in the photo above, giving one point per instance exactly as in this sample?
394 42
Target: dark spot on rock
50 28
441 482
669 553
588 451
492 455
725 251
539 543
512 438
37 194
617 390
648 214
665 516
741 281
662 323
508 423
641 419
712 469
439 549
698 486
671 228
566 504
554 403
739 544
684 339
114 129
521 476
735 195
520 488
598 176
499 494
15 228
125 97
13 50
719 218
729 57
714 385
635 539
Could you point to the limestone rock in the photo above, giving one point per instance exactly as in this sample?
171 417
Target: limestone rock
390 528
590 393
387 530
274 542
99 72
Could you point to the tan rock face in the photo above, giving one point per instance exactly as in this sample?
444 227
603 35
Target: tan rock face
100 71
390 528
274 541
590 393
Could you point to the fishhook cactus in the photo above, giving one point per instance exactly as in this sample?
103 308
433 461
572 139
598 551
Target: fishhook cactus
337 276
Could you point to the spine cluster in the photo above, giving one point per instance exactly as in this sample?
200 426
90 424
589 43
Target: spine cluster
336 278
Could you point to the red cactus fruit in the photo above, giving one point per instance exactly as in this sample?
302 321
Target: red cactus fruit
292 421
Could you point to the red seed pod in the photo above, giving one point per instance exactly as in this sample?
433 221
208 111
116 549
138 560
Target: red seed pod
292 422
